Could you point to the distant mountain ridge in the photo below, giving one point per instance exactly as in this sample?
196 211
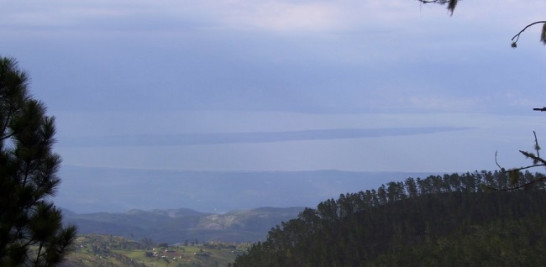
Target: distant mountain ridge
184 225
93 189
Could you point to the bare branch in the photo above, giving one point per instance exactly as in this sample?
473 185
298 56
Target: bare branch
515 39
537 147
496 160
527 167
526 185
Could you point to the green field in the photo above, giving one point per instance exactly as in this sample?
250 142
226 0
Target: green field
105 250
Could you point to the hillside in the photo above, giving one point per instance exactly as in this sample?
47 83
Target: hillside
450 220
184 225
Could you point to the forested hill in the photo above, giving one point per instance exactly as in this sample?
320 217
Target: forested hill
450 220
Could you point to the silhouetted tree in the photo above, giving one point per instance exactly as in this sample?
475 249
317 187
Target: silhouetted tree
31 230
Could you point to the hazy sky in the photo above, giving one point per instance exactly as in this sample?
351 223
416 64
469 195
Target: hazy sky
283 85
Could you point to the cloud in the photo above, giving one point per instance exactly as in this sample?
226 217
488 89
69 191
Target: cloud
247 15
277 16
305 56
250 137
267 15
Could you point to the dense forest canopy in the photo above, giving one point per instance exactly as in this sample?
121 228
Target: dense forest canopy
449 220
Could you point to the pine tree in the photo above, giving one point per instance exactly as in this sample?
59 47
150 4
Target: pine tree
31 230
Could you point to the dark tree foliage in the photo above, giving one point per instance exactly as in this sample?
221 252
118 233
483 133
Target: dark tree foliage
451 4
449 220
31 230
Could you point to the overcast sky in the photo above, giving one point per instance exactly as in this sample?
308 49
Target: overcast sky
390 85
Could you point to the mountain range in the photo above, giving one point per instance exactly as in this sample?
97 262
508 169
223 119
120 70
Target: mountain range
183 225
94 189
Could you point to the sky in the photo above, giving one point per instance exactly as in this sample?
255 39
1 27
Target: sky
278 85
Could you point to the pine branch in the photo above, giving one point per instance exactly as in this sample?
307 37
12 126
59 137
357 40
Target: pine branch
451 4
514 173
